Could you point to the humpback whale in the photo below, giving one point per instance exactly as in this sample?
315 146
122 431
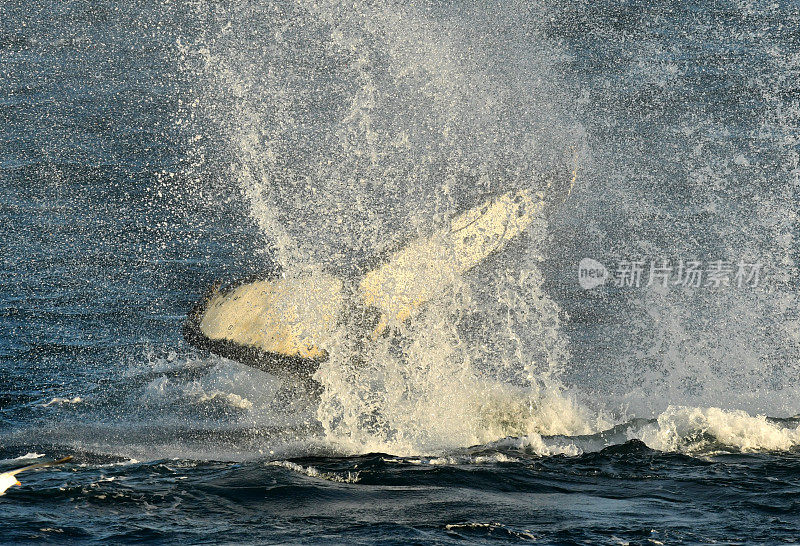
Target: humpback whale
282 325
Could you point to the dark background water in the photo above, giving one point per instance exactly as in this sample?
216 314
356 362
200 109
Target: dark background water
112 227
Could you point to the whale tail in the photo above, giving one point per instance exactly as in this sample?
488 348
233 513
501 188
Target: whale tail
282 325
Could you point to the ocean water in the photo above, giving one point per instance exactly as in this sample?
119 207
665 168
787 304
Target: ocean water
151 147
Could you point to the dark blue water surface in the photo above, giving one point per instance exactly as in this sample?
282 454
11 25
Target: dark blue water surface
123 199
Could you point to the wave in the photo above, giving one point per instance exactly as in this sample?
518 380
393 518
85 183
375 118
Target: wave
707 430
312 472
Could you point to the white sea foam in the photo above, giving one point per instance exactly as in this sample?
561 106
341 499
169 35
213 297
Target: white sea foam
63 401
689 429
492 528
27 456
127 462
312 472
446 460
541 446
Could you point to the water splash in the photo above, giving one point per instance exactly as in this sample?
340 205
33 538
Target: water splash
705 430
352 130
